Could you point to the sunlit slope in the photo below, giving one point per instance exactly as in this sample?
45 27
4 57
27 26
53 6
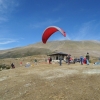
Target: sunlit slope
75 48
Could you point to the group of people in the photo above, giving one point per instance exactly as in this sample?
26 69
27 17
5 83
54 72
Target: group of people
60 59
85 60
82 60
68 59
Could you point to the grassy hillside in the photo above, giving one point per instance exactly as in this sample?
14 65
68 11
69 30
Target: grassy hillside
75 48
24 52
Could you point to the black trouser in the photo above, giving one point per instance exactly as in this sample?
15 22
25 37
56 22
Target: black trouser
60 62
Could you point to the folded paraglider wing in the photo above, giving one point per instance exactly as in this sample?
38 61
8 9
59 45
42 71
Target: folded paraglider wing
51 30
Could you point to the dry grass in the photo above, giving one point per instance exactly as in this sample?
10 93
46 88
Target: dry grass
51 82
75 48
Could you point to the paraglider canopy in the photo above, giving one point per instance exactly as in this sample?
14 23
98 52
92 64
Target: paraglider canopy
49 31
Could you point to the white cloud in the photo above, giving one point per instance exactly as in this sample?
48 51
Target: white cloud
47 22
5 41
8 43
6 7
1 48
84 31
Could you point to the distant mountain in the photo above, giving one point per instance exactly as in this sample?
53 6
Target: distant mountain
75 48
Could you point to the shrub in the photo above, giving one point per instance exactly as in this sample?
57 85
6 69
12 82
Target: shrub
8 67
0 66
0 69
3 66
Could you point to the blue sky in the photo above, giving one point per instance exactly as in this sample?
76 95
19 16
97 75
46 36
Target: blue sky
22 22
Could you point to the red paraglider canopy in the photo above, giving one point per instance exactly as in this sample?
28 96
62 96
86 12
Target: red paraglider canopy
49 31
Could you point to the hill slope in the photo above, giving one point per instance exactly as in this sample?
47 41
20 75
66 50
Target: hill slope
75 48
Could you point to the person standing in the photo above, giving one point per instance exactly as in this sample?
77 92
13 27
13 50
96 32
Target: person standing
87 58
68 59
12 65
60 60
81 60
50 60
